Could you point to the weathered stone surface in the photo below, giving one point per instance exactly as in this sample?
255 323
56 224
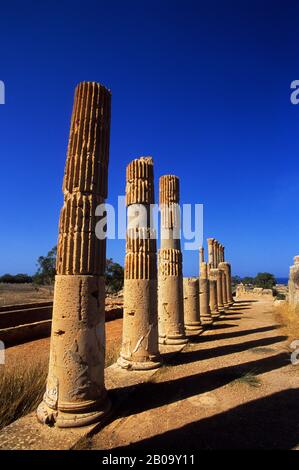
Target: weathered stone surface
191 304
213 293
223 268
76 394
205 312
140 322
170 280
211 252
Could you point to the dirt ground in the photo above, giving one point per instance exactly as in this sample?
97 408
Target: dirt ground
232 387
37 351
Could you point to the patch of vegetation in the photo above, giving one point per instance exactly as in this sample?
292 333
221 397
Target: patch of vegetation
46 271
114 276
21 390
288 318
16 279
248 378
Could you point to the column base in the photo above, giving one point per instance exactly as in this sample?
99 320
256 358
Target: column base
135 365
173 340
196 326
72 419
215 314
207 321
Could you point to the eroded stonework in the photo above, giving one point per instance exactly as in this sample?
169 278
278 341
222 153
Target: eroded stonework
75 394
170 280
139 349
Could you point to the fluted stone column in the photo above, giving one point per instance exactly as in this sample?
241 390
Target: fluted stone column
213 293
223 268
204 295
139 349
201 255
170 280
211 260
294 283
215 251
75 393
191 304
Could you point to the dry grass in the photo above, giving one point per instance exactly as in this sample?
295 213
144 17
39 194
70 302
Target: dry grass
248 378
21 390
13 294
288 318
112 352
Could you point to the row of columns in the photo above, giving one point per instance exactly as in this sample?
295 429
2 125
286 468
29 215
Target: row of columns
159 305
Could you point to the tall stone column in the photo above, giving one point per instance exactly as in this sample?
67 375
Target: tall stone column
228 277
201 255
213 292
204 295
75 393
216 249
294 283
140 321
170 280
191 304
211 260
219 290
223 268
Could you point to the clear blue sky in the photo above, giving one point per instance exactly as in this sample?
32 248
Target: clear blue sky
201 86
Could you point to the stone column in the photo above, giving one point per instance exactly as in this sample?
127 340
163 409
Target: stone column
216 246
191 304
214 253
294 283
223 268
170 280
75 393
211 260
139 349
213 292
201 255
219 290
227 270
205 312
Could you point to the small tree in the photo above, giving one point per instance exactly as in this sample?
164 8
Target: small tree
265 280
46 268
248 280
236 280
114 276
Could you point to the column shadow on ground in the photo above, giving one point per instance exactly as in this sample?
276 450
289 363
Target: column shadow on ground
150 395
185 357
232 334
266 423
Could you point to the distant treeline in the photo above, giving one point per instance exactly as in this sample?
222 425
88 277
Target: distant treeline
46 271
16 279
265 280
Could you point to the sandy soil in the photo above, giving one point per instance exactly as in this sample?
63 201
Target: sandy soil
38 351
203 399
